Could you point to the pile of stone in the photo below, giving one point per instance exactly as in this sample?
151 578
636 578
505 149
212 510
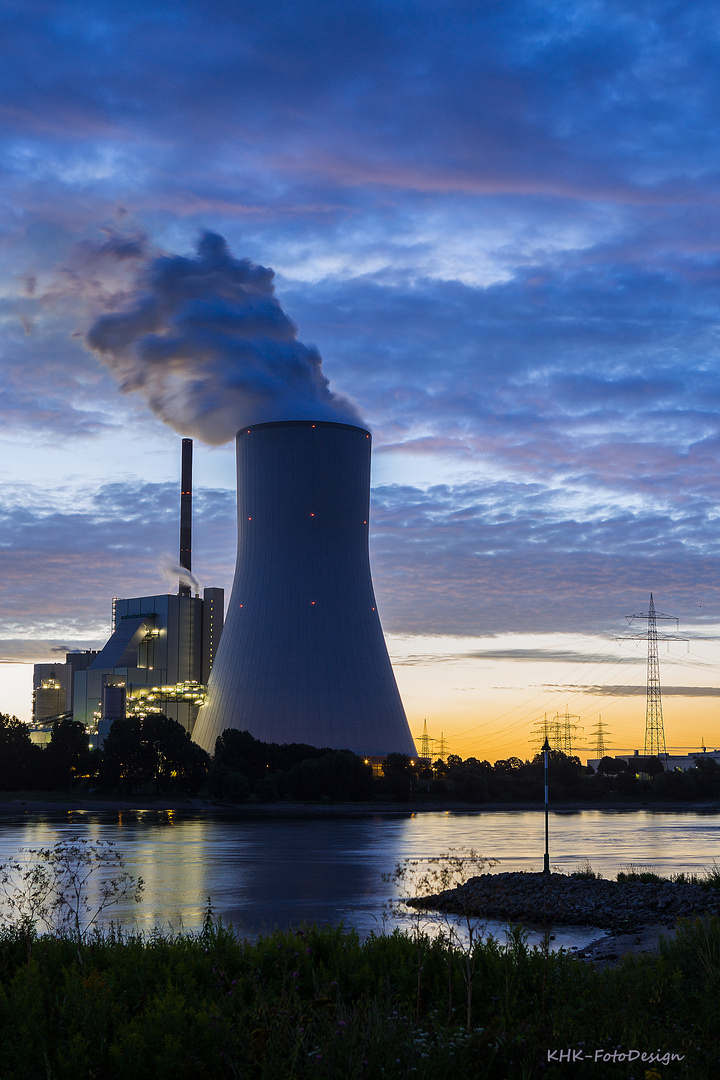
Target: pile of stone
552 899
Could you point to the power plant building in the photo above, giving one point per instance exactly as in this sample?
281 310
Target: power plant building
158 643
50 691
161 649
302 657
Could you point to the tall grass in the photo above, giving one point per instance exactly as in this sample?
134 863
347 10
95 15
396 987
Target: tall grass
321 1003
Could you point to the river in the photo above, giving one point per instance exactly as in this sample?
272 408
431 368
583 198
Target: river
264 871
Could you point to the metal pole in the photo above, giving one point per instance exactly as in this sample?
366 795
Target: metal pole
546 860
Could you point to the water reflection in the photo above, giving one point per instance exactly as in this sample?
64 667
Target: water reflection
262 872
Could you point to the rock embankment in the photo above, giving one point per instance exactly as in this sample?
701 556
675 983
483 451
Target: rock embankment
555 899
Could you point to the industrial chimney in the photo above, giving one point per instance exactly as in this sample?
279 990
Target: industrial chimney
186 513
302 656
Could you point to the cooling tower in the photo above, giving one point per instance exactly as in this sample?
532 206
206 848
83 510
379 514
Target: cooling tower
302 657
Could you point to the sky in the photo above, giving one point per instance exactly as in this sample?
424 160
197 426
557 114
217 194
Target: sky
495 229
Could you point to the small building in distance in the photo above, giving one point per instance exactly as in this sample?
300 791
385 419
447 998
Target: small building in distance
670 761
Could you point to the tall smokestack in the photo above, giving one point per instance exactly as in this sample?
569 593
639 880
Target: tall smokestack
186 513
302 657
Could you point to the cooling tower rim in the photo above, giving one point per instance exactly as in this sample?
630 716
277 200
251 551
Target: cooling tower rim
300 423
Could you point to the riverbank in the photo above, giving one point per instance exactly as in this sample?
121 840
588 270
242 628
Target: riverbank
41 802
612 948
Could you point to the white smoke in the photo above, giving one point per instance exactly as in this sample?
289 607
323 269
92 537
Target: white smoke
207 343
172 571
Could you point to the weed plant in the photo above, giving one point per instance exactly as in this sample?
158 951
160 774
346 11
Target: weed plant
585 872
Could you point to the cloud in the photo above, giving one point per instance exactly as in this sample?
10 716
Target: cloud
501 558
500 97
39 651
498 223
641 691
63 566
521 655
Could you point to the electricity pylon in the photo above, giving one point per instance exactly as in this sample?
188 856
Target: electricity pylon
558 733
563 731
654 729
425 743
542 736
430 747
600 732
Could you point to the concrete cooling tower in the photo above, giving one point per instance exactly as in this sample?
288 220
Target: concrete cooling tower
302 657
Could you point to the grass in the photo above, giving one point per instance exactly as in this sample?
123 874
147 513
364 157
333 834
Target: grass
586 873
320 1003
709 879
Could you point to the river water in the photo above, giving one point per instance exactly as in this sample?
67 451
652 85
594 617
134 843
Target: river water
266 871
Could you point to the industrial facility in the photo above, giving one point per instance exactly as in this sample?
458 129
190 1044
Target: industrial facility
159 654
302 657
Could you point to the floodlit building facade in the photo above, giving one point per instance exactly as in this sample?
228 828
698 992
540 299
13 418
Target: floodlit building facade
158 643
50 691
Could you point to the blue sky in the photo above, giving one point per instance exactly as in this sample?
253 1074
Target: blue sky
499 225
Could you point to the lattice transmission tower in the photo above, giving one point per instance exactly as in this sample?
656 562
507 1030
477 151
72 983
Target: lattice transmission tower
430 748
600 732
425 742
562 731
654 729
541 734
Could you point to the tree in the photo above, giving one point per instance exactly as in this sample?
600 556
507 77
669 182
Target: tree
68 756
240 752
707 777
509 765
153 749
609 766
339 775
647 766
398 775
20 760
471 781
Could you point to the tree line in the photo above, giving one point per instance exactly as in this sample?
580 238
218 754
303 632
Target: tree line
156 754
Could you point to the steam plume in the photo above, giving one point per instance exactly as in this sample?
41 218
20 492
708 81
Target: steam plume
207 343
172 571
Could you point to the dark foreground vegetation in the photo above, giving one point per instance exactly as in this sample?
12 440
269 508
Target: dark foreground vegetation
321 1004
154 754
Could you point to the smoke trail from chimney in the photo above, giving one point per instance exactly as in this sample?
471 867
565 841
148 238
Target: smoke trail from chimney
212 350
